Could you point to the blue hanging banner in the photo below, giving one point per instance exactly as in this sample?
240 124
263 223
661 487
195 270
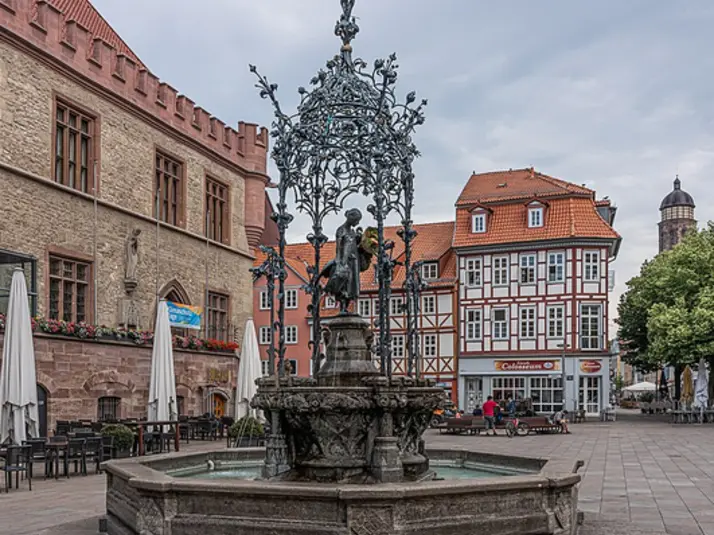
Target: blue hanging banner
184 316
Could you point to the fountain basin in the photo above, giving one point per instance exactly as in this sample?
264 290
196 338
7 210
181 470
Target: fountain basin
144 498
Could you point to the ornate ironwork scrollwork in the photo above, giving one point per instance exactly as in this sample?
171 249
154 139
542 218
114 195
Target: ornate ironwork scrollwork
350 135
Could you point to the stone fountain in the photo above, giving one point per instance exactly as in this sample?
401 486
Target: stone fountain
345 454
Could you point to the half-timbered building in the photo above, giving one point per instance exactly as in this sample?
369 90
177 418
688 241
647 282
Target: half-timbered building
533 253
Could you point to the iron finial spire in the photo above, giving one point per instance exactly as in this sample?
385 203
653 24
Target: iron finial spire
346 28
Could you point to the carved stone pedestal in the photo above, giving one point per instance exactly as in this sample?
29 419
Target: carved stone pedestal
386 464
349 423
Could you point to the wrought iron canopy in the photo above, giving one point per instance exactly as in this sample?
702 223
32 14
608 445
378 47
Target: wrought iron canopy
350 135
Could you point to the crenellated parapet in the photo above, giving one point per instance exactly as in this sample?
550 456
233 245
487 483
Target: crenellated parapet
45 27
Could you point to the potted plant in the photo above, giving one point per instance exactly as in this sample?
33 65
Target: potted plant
123 439
247 432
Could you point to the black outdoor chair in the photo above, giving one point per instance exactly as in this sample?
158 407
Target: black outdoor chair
97 427
85 434
107 449
17 461
93 453
38 453
62 427
75 453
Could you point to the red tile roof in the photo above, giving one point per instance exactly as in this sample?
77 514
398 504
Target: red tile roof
570 209
433 243
514 184
87 16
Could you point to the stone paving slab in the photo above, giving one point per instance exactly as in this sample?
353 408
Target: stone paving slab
642 476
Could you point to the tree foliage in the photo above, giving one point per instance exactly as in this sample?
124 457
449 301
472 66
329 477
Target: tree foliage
667 314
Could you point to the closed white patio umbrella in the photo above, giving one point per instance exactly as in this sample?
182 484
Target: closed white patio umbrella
248 371
18 381
162 388
701 392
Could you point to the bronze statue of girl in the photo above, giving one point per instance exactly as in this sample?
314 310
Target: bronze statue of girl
351 258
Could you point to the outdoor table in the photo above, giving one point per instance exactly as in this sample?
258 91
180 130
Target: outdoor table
142 425
56 449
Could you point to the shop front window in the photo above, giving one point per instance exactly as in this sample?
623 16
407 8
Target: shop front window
508 387
546 394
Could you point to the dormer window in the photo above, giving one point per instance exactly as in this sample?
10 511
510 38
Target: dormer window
478 223
535 217
430 271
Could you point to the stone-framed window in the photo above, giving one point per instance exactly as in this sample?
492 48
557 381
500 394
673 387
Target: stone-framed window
75 146
218 218
70 289
169 187
108 408
8 262
217 314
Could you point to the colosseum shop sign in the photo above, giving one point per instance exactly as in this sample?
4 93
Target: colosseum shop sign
527 365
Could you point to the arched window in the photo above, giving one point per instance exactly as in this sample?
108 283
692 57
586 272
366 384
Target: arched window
175 292
108 408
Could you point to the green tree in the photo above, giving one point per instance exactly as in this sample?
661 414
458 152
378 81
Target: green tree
667 314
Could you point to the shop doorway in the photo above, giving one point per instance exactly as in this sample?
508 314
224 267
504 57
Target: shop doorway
42 409
474 394
219 405
589 395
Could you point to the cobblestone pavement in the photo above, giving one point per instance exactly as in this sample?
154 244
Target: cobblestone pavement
642 476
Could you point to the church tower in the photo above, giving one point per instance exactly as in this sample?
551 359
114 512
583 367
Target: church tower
676 216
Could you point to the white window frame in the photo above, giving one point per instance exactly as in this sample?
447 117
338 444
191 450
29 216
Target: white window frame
398 346
500 269
528 264
591 266
555 318
291 334
265 335
588 340
264 300
430 271
473 325
291 303
556 269
430 345
431 300
535 217
265 367
527 323
499 328
473 272
330 301
396 306
365 307
478 223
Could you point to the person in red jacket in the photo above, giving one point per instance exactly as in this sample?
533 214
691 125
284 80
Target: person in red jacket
488 414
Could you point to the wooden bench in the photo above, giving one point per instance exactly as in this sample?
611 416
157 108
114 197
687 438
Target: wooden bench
540 424
458 426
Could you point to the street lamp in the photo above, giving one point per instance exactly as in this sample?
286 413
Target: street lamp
563 346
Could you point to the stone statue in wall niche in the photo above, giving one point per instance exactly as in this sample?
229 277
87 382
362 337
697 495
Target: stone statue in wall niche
132 261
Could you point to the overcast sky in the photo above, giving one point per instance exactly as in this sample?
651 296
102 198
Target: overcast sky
614 94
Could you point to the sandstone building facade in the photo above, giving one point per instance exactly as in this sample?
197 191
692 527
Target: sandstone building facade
117 190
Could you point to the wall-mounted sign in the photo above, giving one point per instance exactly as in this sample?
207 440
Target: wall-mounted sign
527 365
184 316
216 375
590 366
